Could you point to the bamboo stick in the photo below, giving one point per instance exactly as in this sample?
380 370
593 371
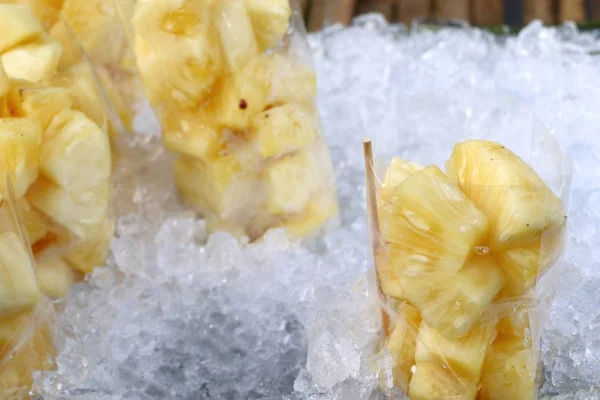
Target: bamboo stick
595 6
384 7
316 16
571 10
302 5
538 9
340 11
411 9
373 220
488 12
455 9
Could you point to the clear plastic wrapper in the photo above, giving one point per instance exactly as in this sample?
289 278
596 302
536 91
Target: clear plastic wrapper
235 92
467 256
55 164
27 339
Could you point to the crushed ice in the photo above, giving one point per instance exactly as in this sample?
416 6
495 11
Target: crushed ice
179 315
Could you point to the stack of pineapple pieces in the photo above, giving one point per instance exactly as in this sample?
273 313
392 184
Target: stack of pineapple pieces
238 111
93 25
57 158
456 249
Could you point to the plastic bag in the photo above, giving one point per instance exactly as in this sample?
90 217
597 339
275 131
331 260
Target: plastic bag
27 337
233 87
467 257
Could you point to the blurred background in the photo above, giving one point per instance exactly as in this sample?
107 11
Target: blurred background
514 13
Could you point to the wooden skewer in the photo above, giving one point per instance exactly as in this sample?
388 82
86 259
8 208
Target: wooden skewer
374 224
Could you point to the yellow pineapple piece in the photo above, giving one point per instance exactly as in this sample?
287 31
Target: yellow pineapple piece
184 72
34 221
236 99
452 303
34 351
55 277
429 225
33 62
237 39
187 134
72 52
401 345
17 25
46 11
20 139
18 287
42 103
319 210
75 153
81 213
515 325
508 372
220 186
283 130
92 252
290 79
291 182
5 84
396 173
463 356
177 59
390 283
518 203
432 382
270 20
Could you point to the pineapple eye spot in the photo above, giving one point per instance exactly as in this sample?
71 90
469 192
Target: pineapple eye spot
243 104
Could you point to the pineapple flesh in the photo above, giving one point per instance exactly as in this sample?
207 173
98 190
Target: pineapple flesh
54 191
456 247
238 110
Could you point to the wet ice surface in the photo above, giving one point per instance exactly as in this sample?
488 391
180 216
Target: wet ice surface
179 315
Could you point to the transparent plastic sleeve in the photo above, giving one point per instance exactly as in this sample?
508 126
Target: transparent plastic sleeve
27 337
235 92
467 258
55 147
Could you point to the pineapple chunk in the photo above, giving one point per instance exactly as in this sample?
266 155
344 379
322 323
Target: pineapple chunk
34 221
46 11
515 325
389 281
235 33
396 173
237 98
4 81
463 356
80 213
89 20
518 203
72 52
319 210
18 25
91 253
291 183
290 80
75 153
283 130
270 20
160 21
18 287
432 382
508 372
452 303
42 103
20 139
55 277
81 83
35 351
33 62
429 225
401 345
184 133
220 186
185 71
